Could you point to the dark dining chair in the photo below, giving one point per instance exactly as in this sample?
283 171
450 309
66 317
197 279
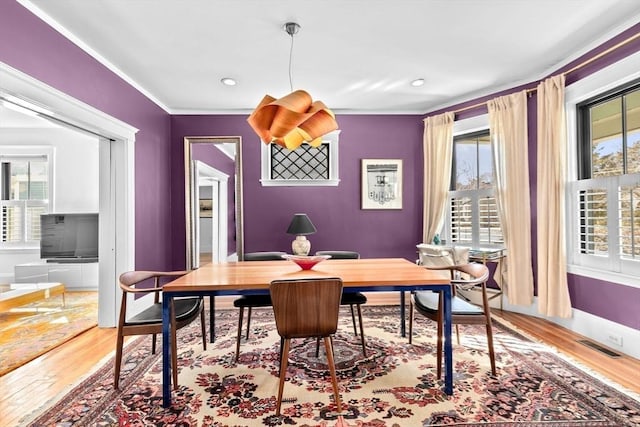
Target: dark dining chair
253 301
306 308
149 321
351 298
428 303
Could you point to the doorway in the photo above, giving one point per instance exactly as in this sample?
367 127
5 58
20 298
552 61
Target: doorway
116 161
211 200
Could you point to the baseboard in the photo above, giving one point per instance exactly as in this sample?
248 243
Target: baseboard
593 327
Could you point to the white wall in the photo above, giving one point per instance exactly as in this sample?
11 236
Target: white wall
75 187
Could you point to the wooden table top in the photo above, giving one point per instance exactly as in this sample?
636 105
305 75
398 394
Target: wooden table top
370 272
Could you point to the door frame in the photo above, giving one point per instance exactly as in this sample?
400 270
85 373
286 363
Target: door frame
117 187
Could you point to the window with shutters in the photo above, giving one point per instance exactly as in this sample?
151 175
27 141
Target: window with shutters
604 202
472 214
24 196
304 166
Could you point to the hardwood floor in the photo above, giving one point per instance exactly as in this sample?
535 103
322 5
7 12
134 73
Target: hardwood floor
35 383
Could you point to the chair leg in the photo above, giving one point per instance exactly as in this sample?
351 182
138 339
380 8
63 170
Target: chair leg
410 322
203 327
492 356
248 321
283 372
317 347
353 319
364 346
119 344
153 344
328 345
457 335
238 337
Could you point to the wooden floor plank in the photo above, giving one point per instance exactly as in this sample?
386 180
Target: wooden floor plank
33 384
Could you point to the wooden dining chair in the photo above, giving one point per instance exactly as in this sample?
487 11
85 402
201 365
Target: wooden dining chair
149 321
428 303
306 308
350 298
256 300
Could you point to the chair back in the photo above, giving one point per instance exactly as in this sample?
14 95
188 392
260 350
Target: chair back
263 256
129 280
442 256
340 254
307 307
473 274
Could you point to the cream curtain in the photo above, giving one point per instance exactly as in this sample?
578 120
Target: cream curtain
553 292
509 145
438 149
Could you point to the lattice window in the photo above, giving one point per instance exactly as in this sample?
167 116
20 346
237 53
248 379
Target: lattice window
306 162
305 166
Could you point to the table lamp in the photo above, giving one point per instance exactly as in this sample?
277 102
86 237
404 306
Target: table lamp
301 226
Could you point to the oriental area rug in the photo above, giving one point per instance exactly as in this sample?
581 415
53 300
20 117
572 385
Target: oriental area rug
31 330
395 385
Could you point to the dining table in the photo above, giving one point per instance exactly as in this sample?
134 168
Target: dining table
357 275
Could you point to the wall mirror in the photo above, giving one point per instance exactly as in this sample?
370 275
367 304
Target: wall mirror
213 199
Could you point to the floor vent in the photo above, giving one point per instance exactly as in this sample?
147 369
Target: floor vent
600 348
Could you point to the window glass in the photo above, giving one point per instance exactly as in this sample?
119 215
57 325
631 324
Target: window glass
606 139
473 213
473 164
632 111
24 182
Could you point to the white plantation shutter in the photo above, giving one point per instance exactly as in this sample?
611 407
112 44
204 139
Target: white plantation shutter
606 223
473 218
629 214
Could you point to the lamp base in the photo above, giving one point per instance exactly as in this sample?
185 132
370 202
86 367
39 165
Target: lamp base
301 246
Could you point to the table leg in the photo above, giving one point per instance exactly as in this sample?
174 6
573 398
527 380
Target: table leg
448 346
212 318
166 357
403 326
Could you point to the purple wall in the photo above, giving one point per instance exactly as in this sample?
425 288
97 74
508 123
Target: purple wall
31 46
335 211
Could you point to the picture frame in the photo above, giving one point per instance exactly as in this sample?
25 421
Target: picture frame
381 184
206 208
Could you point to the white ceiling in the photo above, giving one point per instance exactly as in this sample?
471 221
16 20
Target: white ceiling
357 56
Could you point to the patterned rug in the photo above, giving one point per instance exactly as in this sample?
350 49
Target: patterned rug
31 330
395 385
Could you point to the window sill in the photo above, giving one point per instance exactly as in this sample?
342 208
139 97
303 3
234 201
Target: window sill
607 276
299 183
21 250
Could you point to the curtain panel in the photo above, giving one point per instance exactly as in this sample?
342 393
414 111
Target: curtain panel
509 146
438 150
553 291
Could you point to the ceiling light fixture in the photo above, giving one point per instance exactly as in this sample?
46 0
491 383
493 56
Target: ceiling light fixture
228 81
417 82
295 118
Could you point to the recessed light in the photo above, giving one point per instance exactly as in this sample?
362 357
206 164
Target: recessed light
417 82
228 81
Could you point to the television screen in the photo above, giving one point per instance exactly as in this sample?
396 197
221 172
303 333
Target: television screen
72 235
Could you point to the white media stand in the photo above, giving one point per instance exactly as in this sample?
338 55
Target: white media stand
74 275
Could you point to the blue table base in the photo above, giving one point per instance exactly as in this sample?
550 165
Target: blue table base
167 299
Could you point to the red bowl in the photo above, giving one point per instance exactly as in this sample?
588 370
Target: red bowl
306 262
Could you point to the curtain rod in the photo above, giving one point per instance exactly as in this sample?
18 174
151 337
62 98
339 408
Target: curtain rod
571 70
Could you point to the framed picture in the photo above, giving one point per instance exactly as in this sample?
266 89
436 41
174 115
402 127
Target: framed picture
381 184
206 208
